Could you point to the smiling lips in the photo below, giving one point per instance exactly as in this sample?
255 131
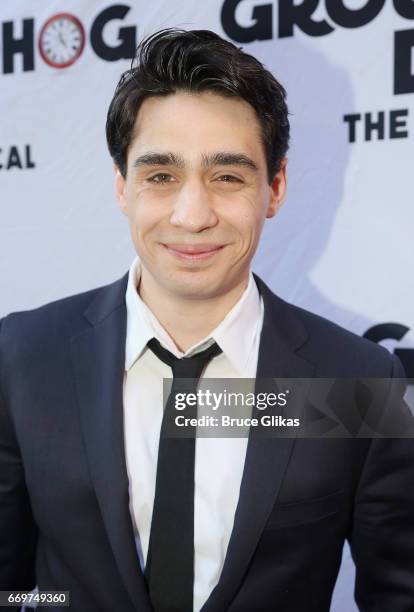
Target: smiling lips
193 252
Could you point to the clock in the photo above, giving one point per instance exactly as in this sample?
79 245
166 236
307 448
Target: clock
61 40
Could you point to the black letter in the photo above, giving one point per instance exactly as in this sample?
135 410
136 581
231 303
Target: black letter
300 14
14 159
29 162
395 124
23 45
403 73
261 30
371 126
353 18
352 121
405 8
394 331
127 36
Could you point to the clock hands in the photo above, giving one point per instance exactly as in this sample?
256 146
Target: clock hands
62 40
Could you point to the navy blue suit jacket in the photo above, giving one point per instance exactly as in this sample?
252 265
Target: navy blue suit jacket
64 504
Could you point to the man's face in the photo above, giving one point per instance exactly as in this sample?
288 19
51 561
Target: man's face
196 193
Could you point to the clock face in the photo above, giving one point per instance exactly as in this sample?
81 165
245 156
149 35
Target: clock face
61 40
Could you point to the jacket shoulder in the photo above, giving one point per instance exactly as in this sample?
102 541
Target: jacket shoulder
332 349
34 331
47 316
331 346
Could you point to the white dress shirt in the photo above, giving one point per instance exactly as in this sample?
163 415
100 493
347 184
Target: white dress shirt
219 462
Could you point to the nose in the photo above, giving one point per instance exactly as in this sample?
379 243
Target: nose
192 208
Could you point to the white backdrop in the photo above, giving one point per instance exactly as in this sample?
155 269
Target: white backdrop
342 244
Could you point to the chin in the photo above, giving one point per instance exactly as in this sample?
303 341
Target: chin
196 288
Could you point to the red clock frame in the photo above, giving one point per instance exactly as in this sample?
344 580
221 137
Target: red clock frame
78 24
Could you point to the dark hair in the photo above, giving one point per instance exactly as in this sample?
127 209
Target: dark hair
197 61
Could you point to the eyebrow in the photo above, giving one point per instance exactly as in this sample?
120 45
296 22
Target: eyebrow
221 158
228 159
159 159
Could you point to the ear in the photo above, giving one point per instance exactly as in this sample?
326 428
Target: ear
277 190
120 190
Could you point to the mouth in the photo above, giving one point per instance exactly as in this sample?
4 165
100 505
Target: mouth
198 252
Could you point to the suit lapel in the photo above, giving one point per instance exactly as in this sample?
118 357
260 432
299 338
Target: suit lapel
266 458
98 355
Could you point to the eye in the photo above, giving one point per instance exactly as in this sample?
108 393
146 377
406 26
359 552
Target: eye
229 178
161 177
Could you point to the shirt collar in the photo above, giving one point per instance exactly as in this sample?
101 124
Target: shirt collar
142 325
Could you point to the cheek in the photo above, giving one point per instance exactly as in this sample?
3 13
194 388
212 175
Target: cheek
145 212
246 216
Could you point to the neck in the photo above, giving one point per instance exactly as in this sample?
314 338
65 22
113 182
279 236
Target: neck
186 320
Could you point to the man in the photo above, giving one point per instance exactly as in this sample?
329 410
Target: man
95 499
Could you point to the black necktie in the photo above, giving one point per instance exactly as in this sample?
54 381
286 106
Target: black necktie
170 561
